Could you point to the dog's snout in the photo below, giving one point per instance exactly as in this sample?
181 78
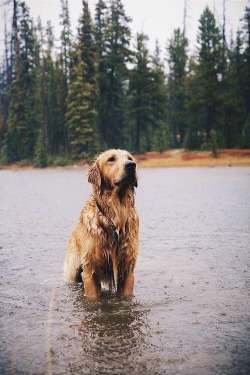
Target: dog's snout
130 165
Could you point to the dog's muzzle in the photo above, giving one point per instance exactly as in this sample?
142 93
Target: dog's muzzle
129 176
130 166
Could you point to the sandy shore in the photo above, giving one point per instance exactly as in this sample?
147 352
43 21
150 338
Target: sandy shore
181 158
171 158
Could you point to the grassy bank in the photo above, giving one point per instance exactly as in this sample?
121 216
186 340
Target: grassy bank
171 158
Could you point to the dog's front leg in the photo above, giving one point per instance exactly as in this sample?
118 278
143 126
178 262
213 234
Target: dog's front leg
125 284
128 285
92 285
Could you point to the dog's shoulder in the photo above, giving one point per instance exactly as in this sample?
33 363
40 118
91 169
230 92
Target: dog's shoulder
89 206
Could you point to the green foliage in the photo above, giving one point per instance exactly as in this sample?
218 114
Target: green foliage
22 113
245 142
160 127
214 143
208 70
80 115
113 52
63 65
192 140
246 58
162 137
147 100
82 94
140 97
10 146
177 60
60 160
96 92
40 159
234 101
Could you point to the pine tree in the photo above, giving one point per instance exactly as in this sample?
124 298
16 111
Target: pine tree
246 57
177 61
5 81
47 78
245 138
140 97
48 88
100 28
81 114
10 145
113 56
233 97
209 70
243 80
39 74
54 129
22 113
40 159
204 86
2 117
63 65
160 128
87 46
66 44
101 76
147 100
14 44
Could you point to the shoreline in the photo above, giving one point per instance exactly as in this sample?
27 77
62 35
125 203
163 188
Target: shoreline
170 158
182 158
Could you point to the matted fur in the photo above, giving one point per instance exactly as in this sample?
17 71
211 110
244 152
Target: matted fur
103 246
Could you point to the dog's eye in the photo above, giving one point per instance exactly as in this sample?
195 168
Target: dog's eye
111 159
129 158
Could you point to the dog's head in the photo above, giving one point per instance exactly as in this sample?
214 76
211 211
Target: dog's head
113 168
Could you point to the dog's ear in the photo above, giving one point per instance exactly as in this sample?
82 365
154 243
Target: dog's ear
94 175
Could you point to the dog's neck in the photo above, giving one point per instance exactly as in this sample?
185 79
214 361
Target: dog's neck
112 204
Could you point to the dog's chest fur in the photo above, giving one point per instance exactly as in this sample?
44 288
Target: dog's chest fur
108 220
119 214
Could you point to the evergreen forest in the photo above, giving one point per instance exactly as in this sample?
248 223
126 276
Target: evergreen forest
66 100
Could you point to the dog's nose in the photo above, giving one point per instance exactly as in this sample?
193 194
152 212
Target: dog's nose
130 165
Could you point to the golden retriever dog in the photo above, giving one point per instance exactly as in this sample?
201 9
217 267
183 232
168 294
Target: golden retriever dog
103 246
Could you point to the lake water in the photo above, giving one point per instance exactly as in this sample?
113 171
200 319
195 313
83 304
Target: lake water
190 313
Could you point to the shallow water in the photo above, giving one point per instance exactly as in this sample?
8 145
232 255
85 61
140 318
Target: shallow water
190 309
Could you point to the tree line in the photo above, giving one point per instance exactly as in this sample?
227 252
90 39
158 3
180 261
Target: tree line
97 90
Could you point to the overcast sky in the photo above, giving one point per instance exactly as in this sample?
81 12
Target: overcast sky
156 18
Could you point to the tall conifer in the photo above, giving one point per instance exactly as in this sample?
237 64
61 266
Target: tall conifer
205 97
160 127
81 114
63 65
22 122
177 62
113 56
140 97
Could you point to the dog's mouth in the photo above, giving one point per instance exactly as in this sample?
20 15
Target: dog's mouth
128 179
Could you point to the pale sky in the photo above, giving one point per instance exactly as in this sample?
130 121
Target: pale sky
156 18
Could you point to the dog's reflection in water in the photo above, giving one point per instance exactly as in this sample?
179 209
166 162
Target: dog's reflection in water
112 333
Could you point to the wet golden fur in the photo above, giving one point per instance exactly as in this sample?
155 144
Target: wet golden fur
103 246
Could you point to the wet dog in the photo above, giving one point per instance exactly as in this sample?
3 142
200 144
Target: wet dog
103 246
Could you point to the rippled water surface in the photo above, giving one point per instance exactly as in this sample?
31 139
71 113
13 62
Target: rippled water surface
190 310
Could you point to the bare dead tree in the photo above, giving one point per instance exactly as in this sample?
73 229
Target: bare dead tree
185 17
14 37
